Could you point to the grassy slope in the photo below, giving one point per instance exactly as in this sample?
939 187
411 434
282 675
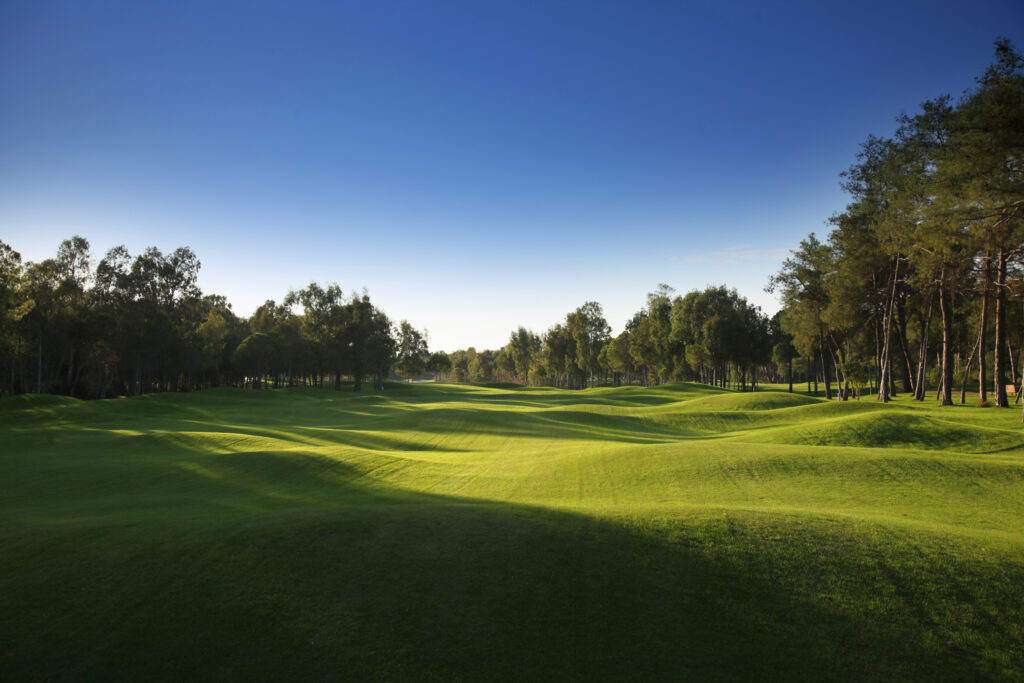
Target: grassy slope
474 533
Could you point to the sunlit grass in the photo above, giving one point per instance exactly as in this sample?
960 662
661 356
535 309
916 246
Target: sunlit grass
462 532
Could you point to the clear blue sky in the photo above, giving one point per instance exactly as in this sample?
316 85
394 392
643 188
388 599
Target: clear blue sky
475 165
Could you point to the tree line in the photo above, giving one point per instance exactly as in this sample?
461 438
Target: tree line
132 325
914 284
138 324
715 336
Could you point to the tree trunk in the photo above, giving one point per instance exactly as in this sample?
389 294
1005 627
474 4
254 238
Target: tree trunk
985 276
877 360
839 382
884 361
901 336
967 370
1013 366
824 369
920 386
945 308
999 368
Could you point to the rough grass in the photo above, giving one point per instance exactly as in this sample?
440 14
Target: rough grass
478 533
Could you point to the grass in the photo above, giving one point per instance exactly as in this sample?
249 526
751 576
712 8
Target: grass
476 533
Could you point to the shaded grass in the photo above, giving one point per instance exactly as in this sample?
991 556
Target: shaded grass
466 533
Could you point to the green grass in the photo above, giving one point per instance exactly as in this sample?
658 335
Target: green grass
476 533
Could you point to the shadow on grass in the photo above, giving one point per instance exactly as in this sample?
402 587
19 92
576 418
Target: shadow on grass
292 566
901 430
384 431
548 424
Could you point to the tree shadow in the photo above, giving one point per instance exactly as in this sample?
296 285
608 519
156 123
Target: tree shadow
545 424
270 565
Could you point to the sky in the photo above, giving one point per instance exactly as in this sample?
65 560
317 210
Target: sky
475 166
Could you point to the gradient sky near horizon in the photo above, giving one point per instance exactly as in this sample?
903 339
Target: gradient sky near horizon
475 166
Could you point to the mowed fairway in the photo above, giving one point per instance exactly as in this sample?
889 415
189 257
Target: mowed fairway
473 533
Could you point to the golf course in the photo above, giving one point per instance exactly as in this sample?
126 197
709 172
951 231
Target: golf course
467 532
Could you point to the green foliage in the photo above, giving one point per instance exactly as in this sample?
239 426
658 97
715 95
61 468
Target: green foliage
412 355
934 221
139 324
439 363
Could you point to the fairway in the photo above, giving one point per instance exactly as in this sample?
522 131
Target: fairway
460 532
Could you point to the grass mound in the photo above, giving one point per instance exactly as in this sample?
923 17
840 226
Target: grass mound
449 532
762 400
900 430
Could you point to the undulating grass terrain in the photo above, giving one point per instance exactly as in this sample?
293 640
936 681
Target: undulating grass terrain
473 533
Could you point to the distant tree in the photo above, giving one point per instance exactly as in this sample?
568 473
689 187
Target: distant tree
588 331
255 355
412 351
323 324
439 363
801 284
559 354
619 359
213 335
381 350
783 351
15 304
522 347
265 318
481 366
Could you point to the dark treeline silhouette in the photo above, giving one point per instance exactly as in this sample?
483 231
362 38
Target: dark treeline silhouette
914 284
137 325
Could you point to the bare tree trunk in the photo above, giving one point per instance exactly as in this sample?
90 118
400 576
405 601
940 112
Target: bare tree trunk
908 373
1013 366
841 395
967 370
901 336
1000 341
877 358
946 310
985 285
824 369
920 387
883 384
